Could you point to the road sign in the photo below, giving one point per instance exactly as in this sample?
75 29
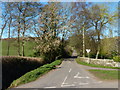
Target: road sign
87 50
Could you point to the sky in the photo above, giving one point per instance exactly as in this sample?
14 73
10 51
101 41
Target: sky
112 8
63 0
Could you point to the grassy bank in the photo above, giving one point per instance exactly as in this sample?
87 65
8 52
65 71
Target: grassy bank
93 65
106 74
34 74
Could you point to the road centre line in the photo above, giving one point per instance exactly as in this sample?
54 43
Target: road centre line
70 70
65 80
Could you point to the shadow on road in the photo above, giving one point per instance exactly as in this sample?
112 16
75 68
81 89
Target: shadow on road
70 58
73 57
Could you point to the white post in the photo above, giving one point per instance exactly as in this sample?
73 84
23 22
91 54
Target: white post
88 51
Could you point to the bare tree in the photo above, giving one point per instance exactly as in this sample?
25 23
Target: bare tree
5 19
24 12
100 19
80 20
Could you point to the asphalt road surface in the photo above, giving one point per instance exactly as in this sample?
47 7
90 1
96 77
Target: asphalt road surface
70 75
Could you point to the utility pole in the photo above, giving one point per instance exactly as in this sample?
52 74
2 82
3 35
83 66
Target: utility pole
83 41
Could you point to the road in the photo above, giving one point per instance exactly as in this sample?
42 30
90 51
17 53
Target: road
70 75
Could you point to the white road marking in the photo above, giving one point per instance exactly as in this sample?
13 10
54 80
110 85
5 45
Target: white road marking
64 80
77 76
83 83
81 77
98 82
50 87
67 85
70 70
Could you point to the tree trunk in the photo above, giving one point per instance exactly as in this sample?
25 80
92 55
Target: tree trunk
9 38
98 46
97 54
23 46
98 50
2 29
23 40
19 40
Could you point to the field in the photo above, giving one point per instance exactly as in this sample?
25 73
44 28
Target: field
29 45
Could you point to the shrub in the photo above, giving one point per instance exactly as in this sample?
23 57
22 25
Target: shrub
116 58
92 55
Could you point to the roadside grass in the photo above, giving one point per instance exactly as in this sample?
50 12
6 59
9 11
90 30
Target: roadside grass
106 74
36 73
93 65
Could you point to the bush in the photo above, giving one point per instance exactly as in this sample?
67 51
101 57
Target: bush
92 55
36 54
116 58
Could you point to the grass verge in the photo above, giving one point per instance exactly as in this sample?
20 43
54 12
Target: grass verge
106 74
93 65
34 74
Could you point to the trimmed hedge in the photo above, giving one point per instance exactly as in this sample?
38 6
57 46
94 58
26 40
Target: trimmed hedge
34 74
14 67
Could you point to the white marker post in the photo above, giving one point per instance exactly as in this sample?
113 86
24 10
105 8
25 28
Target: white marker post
88 51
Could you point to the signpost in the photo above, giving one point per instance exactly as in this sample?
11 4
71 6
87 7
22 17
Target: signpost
88 51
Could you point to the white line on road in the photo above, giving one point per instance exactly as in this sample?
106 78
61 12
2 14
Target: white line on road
81 77
83 83
65 80
70 70
98 82
67 85
77 76
50 87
